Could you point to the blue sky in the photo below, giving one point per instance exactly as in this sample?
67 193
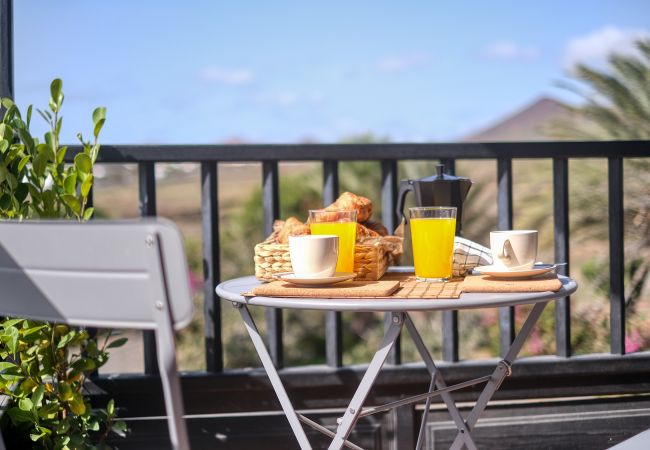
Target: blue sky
216 71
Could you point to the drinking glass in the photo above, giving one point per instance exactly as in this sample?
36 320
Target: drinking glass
432 236
344 225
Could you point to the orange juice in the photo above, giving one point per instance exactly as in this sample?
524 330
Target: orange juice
347 233
433 246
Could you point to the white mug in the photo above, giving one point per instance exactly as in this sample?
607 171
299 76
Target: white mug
514 249
314 256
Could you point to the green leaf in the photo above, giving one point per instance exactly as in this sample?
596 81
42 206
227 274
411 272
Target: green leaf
6 132
70 183
55 91
29 115
37 396
110 407
18 416
77 404
32 332
98 128
72 202
60 156
88 213
49 140
86 185
83 163
39 164
65 392
4 144
49 411
12 339
7 102
23 162
117 343
3 172
13 182
57 128
7 368
26 139
46 115
99 114
67 338
47 149
25 404
10 323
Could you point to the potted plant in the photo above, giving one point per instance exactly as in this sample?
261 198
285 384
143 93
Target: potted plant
44 366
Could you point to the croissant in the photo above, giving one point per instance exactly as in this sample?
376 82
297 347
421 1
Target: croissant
350 201
292 227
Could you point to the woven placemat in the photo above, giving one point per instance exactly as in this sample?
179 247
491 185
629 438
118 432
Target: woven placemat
356 289
485 283
409 287
392 285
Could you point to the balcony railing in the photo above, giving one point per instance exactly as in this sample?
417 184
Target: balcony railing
209 156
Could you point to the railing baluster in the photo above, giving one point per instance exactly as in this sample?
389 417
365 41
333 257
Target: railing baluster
147 195
450 342
389 194
504 222
389 219
271 200
616 255
561 235
6 49
333 329
211 267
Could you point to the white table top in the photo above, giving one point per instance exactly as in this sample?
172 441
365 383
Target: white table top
231 290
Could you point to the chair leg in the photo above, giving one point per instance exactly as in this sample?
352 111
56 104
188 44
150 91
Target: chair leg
171 385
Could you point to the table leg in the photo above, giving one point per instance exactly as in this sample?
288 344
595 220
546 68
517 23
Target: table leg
354 409
500 373
439 383
272 373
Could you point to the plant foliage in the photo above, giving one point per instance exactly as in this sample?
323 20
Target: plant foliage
43 366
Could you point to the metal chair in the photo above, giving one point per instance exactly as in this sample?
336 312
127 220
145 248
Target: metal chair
113 274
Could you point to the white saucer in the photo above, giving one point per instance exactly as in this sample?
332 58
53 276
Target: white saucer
499 272
290 277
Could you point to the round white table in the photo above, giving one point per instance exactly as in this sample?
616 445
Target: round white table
399 308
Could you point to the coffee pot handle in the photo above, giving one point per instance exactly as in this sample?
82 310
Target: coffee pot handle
404 188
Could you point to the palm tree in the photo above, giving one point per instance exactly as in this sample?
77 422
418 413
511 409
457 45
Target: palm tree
617 102
616 106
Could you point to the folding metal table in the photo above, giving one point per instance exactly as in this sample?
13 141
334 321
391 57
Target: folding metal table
399 310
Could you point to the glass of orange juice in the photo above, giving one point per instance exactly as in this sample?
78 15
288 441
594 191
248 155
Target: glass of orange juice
432 236
344 225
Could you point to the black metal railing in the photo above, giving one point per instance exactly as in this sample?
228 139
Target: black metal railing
210 156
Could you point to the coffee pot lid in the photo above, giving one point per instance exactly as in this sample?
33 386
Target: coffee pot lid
440 175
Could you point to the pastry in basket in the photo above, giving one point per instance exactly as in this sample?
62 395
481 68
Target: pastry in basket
292 227
348 201
282 229
377 227
365 232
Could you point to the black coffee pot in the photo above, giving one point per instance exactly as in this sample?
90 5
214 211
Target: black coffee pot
440 189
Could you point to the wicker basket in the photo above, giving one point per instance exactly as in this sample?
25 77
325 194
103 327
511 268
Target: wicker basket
372 257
